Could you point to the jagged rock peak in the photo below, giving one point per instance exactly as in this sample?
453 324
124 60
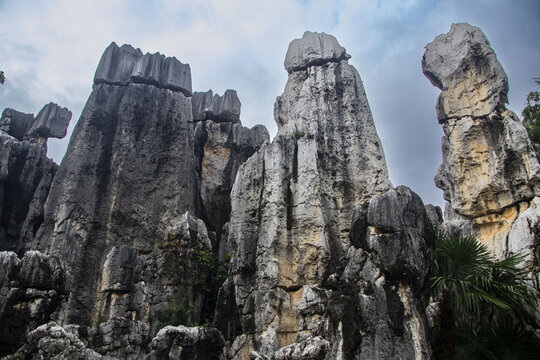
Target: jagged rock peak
51 121
313 49
15 123
124 65
207 106
464 66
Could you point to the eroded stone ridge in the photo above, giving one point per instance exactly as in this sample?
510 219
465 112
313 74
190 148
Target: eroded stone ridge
124 65
26 174
33 289
464 66
207 106
490 174
15 123
303 278
51 121
313 49
220 149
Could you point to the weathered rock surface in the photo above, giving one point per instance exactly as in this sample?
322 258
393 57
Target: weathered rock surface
32 292
207 106
125 65
290 229
51 121
26 174
120 338
435 215
313 49
220 149
464 66
52 341
127 177
490 173
15 123
185 343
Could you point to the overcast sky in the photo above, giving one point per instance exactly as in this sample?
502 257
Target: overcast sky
49 51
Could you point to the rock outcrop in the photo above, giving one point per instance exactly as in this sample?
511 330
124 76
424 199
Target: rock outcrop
221 147
125 65
313 49
290 234
52 341
124 211
490 174
33 290
51 121
207 106
183 343
163 197
129 172
26 172
15 123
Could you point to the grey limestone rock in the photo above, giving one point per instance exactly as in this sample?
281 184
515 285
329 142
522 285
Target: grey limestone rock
207 106
290 233
464 66
15 123
313 49
220 149
26 174
51 121
124 65
128 175
435 215
118 268
490 173
52 341
187 343
121 338
148 286
400 234
33 290
312 348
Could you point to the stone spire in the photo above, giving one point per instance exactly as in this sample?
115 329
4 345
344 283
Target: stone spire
490 174
292 236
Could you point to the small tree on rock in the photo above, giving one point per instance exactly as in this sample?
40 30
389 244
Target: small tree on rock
531 117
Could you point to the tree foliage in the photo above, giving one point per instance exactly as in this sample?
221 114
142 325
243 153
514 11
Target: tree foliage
531 117
2 77
478 297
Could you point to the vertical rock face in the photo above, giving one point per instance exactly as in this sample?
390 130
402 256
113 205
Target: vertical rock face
221 147
128 174
290 230
33 290
26 172
490 174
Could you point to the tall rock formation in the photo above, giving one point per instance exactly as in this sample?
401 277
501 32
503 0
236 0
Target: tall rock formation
26 172
124 211
304 277
222 144
128 175
490 174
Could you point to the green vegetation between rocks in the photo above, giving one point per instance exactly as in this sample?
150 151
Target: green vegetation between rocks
191 263
482 302
531 117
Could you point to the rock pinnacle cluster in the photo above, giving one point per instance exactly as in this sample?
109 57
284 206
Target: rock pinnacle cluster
171 231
